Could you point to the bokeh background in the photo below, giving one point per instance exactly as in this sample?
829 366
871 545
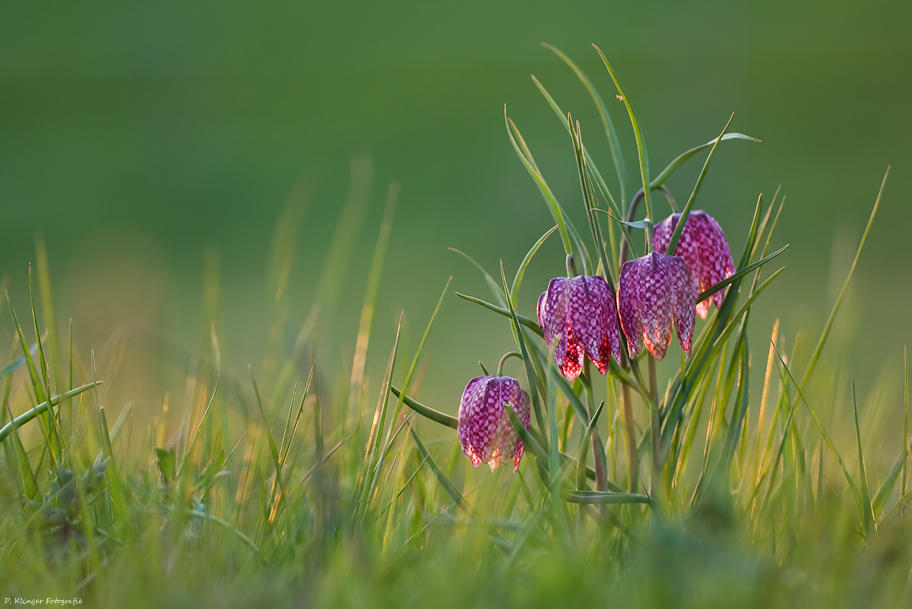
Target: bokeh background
137 137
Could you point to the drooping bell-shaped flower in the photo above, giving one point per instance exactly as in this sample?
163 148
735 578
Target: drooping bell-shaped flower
483 425
653 292
703 247
579 312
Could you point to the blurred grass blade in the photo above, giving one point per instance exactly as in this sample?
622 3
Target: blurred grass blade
411 371
26 481
285 234
365 324
441 477
47 306
867 506
845 284
43 407
378 424
603 497
37 388
14 365
823 432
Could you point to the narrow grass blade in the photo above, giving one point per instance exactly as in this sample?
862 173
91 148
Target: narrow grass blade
526 321
642 155
425 411
738 274
379 421
565 121
26 481
441 477
526 157
823 432
617 156
47 305
30 414
528 439
536 389
906 423
493 285
14 365
603 497
421 343
887 486
365 324
55 445
679 160
521 271
676 234
589 200
230 528
845 284
867 506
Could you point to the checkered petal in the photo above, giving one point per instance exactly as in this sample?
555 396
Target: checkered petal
654 292
704 248
483 426
552 316
592 318
579 313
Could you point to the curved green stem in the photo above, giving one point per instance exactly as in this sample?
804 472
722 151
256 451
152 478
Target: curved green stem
504 358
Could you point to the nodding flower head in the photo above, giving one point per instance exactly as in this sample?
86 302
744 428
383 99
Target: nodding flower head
483 425
703 247
579 312
653 292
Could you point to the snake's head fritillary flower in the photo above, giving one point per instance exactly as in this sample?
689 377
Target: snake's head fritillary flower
579 313
653 292
703 247
483 426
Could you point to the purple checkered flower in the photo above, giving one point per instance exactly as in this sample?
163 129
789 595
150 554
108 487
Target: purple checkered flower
703 247
483 425
580 314
653 292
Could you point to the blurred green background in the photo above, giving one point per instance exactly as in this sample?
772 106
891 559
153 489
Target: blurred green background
136 137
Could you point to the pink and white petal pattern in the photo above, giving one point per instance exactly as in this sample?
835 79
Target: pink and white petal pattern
655 292
579 313
483 426
703 247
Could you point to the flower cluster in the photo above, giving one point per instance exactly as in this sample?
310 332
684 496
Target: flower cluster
580 316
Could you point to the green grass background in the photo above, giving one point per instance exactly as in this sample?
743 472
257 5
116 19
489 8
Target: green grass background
143 140
134 137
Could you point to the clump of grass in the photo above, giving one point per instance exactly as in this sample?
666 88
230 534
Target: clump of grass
684 484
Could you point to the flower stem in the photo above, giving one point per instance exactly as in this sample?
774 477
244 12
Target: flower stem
598 450
633 466
503 359
655 430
